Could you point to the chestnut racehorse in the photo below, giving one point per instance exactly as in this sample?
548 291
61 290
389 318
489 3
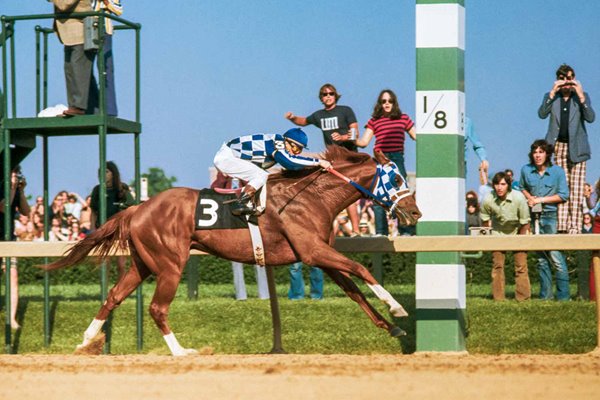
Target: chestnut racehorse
297 225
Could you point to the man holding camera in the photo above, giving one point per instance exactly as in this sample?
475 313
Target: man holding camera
570 107
79 63
18 202
507 213
545 185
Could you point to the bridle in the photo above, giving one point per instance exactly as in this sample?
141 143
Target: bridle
383 189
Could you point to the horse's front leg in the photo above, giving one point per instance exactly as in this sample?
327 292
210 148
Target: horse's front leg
354 292
166 288
319 253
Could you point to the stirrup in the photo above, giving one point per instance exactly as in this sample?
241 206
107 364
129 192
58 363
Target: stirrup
242 209
243 206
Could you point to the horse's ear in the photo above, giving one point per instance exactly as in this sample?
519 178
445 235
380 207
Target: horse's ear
380 157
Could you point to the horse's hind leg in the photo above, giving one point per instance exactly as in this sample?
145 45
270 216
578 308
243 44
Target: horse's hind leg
126 284
354 292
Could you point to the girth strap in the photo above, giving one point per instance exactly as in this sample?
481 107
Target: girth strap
257 243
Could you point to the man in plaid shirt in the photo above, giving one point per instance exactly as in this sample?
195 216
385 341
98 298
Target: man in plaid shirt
247 157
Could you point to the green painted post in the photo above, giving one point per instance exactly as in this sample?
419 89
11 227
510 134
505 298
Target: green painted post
38 73
377 260
46 237
102 133
440 105
139 292
7 327
139 295
192 268
46 198
6 186
13 71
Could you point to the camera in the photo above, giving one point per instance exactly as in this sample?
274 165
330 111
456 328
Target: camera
121 205
480 231
20 178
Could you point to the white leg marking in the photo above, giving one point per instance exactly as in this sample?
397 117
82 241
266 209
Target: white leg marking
395 308
176 349
91 332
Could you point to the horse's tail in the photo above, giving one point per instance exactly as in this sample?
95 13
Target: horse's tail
115 232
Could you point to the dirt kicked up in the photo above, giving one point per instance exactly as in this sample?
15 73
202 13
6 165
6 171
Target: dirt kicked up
264 377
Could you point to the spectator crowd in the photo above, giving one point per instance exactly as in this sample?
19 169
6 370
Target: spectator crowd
69 217
550 196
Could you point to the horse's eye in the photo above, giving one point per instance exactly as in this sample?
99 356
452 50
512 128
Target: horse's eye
399 181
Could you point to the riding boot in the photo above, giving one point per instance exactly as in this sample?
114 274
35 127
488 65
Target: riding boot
245 204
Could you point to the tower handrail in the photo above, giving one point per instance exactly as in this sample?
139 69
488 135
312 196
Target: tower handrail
8 32
10 18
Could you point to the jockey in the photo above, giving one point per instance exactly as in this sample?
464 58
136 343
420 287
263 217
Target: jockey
247 157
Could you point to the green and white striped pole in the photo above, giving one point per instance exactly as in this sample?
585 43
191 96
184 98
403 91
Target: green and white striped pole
440 105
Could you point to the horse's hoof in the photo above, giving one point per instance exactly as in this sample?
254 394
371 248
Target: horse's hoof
397 332
94 347
185 352
398 312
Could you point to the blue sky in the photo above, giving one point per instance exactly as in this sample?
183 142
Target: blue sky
213 70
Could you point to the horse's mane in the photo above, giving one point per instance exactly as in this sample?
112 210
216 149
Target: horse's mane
334 154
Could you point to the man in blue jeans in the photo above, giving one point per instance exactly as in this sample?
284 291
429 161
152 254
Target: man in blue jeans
544 186
296 291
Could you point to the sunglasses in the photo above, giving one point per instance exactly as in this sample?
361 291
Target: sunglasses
385 101
566 78
294 146
324 94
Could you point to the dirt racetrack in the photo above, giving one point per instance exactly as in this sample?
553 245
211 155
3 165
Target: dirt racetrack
265 377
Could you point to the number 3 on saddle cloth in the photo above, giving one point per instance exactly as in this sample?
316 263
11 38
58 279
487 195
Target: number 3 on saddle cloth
211 213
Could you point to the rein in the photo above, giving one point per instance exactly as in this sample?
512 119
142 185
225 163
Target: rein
316 175
361 189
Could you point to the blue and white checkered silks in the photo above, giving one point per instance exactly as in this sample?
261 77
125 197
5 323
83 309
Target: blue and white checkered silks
391 185
265 150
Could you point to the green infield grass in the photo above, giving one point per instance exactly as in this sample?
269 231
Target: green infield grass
332 325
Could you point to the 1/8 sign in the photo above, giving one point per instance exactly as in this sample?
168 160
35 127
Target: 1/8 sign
440 111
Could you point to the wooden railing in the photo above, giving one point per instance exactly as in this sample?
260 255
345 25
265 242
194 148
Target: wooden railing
405 244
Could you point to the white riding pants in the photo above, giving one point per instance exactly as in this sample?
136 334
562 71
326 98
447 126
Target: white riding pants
230 164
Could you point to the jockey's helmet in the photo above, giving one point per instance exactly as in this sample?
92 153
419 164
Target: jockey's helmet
297 136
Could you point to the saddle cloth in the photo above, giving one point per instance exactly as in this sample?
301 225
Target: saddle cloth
211 213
